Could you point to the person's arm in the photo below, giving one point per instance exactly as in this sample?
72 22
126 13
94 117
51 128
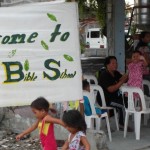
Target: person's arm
146 56
50 119
116 86
128 61
27 131
65 146
85 142
108 83
144 61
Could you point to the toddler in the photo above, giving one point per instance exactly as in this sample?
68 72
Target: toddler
135 71
45 123
75 124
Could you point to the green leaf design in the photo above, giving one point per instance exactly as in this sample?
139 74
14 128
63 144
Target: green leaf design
52 17
12 53
67 57
45 46
26 65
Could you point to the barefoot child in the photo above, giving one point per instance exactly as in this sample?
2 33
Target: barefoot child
75 124
45 123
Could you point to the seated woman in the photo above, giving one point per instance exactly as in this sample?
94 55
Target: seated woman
111 80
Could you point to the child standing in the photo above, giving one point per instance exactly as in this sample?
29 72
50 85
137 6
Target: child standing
45 123
135 70
75 124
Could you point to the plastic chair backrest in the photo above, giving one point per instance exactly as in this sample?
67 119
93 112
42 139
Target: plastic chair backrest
130 91
147 84
91 78
101 92
90 96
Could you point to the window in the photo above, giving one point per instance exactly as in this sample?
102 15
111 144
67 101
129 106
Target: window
95 34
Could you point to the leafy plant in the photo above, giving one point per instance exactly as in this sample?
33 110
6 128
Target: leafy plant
96 8
101 13
82 46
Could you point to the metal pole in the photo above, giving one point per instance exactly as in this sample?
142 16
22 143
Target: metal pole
118 37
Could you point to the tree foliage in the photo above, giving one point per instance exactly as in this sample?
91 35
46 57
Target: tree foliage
96 8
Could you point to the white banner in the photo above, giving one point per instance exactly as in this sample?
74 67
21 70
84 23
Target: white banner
39 53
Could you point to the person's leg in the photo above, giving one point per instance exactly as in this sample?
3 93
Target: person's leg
119 106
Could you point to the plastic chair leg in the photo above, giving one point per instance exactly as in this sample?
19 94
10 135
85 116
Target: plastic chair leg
89 122
137 124
126 124
108 128
116 119
98 123
92 123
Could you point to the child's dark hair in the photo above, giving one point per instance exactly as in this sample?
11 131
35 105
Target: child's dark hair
108 59
85 84
74 119
40 103
136 51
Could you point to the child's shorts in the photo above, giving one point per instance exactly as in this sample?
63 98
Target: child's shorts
100 111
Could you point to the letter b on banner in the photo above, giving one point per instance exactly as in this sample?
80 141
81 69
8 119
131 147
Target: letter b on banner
13 75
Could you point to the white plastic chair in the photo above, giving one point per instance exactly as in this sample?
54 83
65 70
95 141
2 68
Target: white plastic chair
132 110
90 119
147 99
90 78
147 84
100 90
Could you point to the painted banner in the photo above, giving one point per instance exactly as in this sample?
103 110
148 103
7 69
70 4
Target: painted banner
39 53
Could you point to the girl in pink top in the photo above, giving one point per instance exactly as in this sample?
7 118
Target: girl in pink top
45 123
135 70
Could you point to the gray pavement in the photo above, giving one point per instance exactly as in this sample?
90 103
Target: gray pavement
130 143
